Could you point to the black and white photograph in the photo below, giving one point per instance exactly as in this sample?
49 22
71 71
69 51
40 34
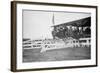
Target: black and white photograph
56 36
52 36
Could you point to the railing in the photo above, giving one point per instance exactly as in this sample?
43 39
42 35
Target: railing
57 44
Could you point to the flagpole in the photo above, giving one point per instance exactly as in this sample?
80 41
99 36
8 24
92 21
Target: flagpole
53 19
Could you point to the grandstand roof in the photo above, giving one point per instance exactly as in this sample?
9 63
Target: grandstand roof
79 23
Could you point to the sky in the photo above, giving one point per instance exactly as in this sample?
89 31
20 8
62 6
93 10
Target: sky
37 24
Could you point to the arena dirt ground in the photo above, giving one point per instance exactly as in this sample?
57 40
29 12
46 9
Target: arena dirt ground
34 55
